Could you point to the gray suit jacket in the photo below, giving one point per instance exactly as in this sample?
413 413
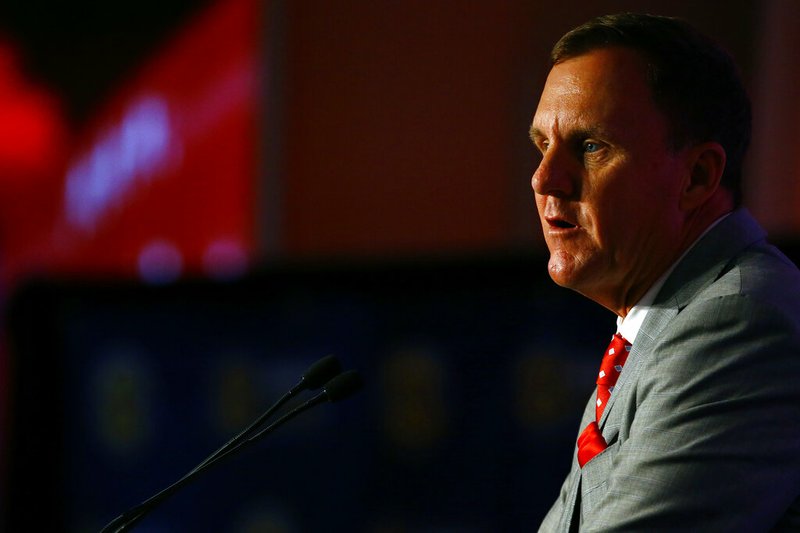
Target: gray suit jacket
703 427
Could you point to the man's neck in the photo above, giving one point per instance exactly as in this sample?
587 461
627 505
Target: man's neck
628 325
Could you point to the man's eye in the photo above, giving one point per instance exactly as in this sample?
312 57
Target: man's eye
590 147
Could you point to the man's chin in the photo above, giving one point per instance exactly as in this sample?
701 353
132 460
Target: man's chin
561 269
566 272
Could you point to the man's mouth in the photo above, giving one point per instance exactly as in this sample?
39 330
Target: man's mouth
560 223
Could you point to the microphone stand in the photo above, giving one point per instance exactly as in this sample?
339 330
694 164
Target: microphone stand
337 388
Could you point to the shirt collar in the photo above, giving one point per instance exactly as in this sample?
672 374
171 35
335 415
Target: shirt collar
630 325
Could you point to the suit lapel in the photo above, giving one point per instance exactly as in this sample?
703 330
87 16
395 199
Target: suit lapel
657 319
702 265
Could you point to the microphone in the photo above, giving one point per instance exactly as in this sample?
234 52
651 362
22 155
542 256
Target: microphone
318 374
339 388
313 378
325 373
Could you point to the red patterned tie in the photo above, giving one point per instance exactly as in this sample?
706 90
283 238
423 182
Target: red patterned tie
591 441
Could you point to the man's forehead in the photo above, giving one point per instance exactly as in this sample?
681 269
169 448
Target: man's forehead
601 83
601 68
563 81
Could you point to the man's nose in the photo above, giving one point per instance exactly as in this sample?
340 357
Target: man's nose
554 175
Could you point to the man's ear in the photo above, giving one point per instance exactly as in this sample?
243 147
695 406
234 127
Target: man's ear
706 164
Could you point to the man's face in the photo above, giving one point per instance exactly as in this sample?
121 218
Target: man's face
608 184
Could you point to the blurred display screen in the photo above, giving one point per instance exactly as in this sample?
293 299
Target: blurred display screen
161 181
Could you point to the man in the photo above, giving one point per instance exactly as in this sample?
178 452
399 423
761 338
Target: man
642 126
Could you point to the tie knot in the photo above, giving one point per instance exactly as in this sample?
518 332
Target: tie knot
613 360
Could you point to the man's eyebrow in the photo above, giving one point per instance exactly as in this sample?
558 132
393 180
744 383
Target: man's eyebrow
535 134
587 132
580 133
